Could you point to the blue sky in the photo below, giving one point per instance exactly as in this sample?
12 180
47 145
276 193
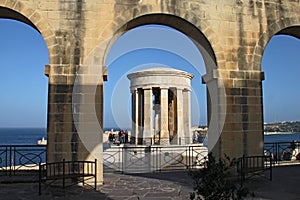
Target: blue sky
281 64
23 87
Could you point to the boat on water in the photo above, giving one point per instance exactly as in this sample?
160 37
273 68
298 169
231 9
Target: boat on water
42 141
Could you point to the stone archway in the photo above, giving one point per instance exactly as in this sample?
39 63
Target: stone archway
287 26
27 30
210 58
200 39
89 82
20 11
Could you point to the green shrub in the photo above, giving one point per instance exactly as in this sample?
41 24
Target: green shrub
215 180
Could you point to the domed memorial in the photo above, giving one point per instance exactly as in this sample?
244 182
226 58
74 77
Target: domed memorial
161 112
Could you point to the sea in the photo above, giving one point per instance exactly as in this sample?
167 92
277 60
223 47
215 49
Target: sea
30 136
282 137
12 151
21 136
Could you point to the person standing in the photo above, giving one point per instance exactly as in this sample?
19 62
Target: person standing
120 136
126 136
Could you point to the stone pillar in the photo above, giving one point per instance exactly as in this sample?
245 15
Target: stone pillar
140 113
135 116
236 121
216 112
180 129
148 120
187 116
164 129
172 116
87 100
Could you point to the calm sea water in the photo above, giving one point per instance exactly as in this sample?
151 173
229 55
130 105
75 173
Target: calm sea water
285 137
23 136
21 155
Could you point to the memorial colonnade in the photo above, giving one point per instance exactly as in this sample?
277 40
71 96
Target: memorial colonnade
161 111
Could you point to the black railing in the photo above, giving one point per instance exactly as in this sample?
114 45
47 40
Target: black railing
15 158
76 171
248 166
140 159
283 152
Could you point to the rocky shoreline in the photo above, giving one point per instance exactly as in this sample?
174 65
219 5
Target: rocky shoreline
282 127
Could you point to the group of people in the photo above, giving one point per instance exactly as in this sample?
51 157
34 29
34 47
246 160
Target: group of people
121 138
198 138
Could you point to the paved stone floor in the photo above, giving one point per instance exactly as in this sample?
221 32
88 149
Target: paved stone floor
164 186
284 185
161 186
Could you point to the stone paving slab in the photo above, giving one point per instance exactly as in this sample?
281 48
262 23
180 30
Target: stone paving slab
284 185
158 186
164 186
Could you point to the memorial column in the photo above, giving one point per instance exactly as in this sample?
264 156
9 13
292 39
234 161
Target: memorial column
135 115
148 119
164 128
187 116
180 129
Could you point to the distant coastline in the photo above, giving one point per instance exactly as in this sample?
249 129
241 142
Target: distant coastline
277 133
282 127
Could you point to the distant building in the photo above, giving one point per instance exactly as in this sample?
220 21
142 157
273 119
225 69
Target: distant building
161 112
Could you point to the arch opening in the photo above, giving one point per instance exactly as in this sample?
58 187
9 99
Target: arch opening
23 83
177 23
167 22
280 63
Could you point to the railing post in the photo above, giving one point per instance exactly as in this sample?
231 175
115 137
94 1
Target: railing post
160 153
40 179
10 160
188 156
6 162
240 166
95 174
123 159
243 166
64 173
14 159
271 163
83 170
277 152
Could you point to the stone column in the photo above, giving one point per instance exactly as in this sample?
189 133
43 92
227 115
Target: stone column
180 129
140 113
164 129
172 115
187 116
148 120
135 116
217 109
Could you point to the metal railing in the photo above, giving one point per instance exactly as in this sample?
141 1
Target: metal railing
283 152
142 159
76 171
248 166
15 158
